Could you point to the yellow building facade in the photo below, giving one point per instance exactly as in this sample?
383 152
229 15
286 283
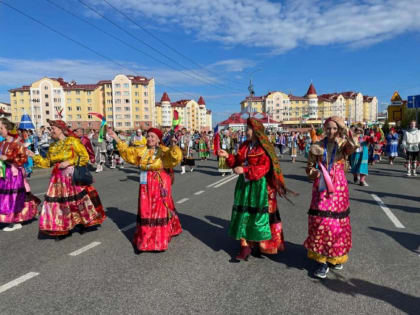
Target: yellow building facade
313 108
193 114
127 101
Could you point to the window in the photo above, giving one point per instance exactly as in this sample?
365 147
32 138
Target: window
127 108
126 93
89 92
69 100
110 116
126 85
137 109
118 101
69 117
109 101
109 109
45 87
69 108
128 124
21 101
89 100
119 124
137 116
146 102
127 101
117 86
90 116
90 109
77 100
79 124
117 109
118 116
89 124
117 93
146 116
137 123
136 93
146 109
68 92
127 116
137 102
45 95
78 92
78 108
145 93
79 116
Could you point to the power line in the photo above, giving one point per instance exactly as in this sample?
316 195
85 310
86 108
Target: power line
195 74
81 44
164 43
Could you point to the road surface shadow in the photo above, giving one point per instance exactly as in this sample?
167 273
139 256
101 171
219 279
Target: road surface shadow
407 240
294 256
211 173
297 177
391 206
404 302
121 219
213 234
385 194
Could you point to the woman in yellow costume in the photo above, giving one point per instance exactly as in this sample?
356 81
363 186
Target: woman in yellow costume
157 220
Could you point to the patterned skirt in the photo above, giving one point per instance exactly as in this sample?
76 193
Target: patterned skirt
255 218
157 221
329 229
17 204
67 205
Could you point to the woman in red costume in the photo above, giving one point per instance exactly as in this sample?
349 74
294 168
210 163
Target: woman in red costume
157 221
255 218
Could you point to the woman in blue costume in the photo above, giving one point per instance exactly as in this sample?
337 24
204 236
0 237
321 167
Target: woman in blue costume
359 159
392 145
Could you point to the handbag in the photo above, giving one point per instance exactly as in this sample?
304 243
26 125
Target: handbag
82 175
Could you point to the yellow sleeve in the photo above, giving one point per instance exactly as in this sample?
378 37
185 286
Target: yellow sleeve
171 156
41 161
131 155
79 151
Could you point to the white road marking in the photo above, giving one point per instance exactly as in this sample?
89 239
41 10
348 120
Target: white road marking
226 181
388 212
215 183
85 248
128 227
198 192
18 281
40 194
182 200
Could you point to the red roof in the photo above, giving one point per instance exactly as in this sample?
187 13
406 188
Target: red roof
311 90
201 101
104 82
208 111
297 98
165 97
180 103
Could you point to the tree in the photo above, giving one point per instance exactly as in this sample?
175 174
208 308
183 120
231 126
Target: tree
408 115
385 127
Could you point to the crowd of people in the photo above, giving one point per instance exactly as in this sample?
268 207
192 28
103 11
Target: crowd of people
71 199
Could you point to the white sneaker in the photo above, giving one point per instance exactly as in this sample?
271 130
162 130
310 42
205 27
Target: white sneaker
223 174
414 173
409 174
192 169
12 227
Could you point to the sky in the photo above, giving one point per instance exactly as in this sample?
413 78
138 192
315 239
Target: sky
213 48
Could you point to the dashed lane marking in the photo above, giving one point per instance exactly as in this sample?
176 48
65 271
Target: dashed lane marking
85 248
18 281
226 181
221 180
182 200
198 192
128 227
388 212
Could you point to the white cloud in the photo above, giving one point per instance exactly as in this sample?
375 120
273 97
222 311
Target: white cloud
17 72
281 26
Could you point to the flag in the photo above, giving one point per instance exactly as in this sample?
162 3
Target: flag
102 128
176 121
216 129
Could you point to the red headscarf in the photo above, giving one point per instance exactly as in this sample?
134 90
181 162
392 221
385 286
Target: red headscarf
156 132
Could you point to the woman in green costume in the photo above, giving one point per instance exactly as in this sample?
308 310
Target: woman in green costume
255 218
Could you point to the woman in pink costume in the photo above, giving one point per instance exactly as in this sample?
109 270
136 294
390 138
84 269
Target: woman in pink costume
329 229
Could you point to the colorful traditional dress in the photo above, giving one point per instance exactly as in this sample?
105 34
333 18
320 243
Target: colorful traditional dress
360 158
225 143
186 143
17 204
203 148
66 204
157 221
329 228
255 217
392 144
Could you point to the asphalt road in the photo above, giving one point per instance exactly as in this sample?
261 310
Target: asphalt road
196 274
